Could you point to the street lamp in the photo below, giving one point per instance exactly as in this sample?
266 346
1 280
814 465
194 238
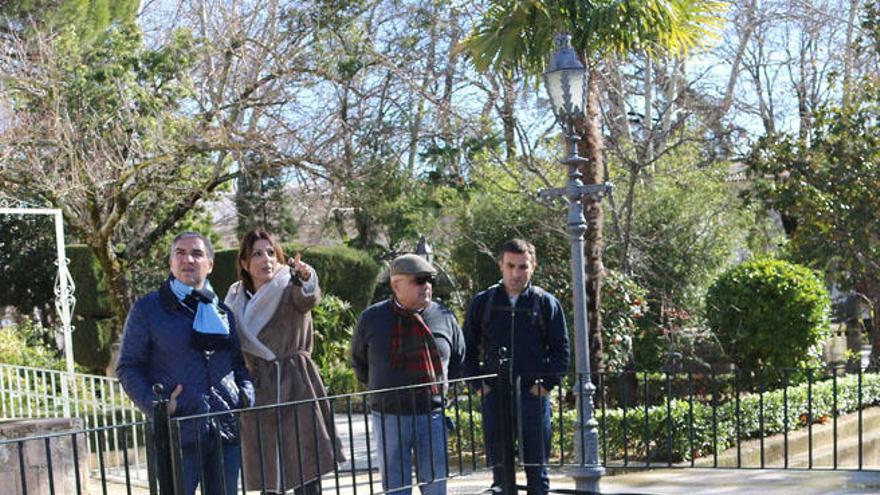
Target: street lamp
566 82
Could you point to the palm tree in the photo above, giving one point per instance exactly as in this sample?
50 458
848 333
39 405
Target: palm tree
519 35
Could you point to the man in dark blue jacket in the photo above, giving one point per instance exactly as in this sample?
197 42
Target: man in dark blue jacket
525 324
184 339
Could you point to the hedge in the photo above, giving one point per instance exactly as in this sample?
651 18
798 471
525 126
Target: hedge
92 299
611 423
347 273
92 338
92 322
749 418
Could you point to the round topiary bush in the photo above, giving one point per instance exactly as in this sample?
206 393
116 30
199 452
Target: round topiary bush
769 314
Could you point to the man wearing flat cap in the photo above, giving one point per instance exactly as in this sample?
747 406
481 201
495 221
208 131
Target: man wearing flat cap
411 344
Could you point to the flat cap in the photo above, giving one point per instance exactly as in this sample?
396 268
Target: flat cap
411 264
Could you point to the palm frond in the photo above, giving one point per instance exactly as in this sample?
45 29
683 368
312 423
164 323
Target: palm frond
518 34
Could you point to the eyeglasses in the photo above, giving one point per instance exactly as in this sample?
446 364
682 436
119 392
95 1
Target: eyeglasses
423 279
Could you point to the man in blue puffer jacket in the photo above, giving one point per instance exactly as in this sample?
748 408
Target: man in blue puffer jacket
183 338
526 325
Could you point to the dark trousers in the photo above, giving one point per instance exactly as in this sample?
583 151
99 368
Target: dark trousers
202 466
533 433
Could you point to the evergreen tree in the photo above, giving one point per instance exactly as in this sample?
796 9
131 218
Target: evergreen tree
27 246
262 200
88 18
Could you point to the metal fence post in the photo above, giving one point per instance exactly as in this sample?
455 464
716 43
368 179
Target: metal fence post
505 413
159 446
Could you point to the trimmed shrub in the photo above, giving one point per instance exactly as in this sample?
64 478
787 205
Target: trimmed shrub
224 273
770 314
27 262
94 329
747 414
92 338
347 273
671 426
344 272
92 300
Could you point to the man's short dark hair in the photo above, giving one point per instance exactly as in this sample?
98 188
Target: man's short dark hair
518 246
187 235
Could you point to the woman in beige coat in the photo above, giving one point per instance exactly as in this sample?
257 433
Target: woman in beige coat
272 304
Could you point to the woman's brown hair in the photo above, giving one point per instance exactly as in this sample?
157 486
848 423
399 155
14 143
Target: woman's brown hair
246 249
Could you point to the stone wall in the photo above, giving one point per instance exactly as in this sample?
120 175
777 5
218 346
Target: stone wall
36 461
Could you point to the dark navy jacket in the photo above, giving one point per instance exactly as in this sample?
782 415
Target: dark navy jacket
156 349
537 354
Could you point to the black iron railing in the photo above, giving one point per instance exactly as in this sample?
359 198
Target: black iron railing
780 419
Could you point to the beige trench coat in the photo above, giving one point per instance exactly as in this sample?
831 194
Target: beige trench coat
307 435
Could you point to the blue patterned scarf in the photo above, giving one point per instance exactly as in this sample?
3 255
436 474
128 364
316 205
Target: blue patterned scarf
210 323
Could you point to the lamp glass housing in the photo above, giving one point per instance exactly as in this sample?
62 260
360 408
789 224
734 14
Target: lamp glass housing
566 82
566 89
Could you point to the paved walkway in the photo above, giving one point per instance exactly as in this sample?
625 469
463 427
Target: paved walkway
357 428
690 481
696 481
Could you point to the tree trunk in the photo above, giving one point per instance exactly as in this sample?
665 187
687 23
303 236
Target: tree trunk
508 117
590 147
849 52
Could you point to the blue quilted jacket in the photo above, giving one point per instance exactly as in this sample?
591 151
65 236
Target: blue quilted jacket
156 349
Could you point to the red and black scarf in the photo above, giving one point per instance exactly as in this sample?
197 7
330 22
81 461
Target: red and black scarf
413 349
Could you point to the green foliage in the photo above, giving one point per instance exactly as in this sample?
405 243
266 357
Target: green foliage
392 204
674 423
497 209
23 345
92 339
261 200
828 192
88 19
100 135
770 313
466 414
871 24
522 33
624 303
27 262
334 322
684 226
344 272
347 273
748 414
95 329
90 288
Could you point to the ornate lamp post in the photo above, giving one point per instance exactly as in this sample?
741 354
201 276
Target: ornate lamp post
566 82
